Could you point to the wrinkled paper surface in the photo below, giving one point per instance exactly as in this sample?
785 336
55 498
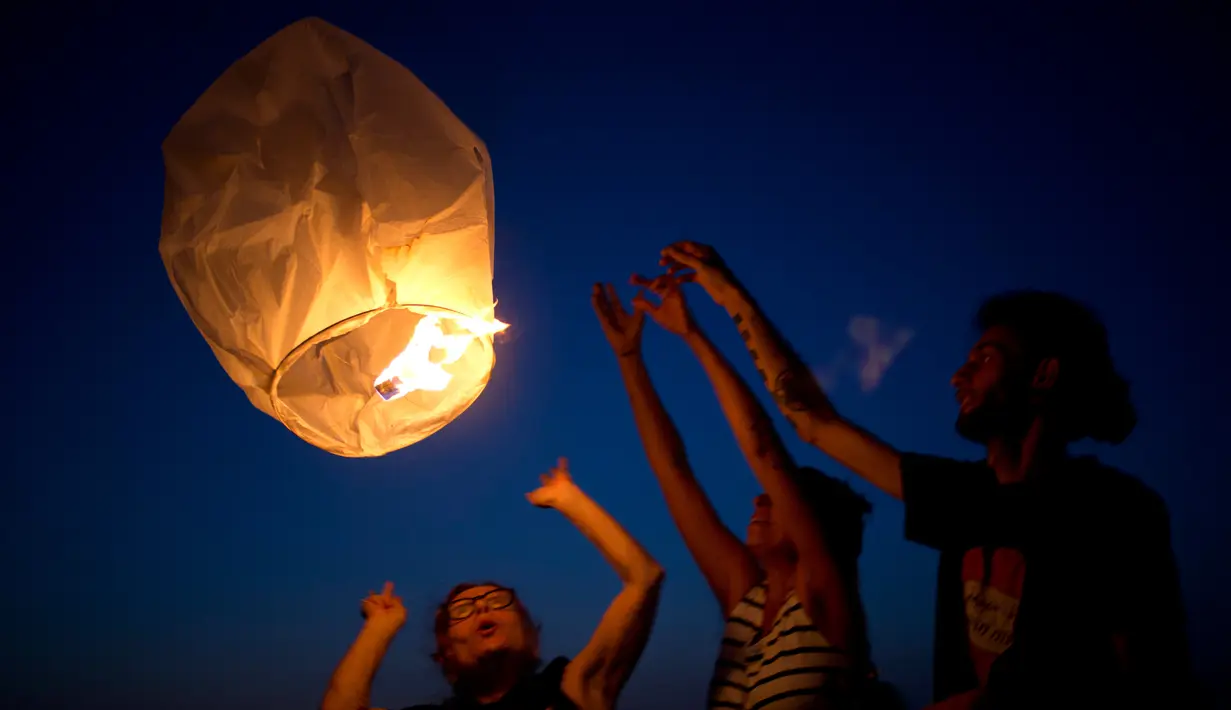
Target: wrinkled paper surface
317 180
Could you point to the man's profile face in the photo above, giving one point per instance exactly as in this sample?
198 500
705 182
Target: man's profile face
992 387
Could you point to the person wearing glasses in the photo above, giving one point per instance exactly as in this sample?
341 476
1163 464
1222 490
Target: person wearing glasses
487 644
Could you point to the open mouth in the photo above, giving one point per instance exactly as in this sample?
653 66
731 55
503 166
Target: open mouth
965 401
487 628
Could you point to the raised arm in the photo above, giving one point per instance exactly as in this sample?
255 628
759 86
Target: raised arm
818 584
724 560
794 387
351 685
594 678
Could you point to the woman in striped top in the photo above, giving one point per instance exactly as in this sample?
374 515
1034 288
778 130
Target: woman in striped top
795 635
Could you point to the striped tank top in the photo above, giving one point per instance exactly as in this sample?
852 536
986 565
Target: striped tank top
786 669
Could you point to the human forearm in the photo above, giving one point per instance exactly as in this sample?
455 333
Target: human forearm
753 429
664 449
722 558
630 560
659 436
351 685
772 465
597 675
795 389
801 399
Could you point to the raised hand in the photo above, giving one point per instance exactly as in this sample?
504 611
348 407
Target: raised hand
671 312
556 487
384 611
623 329
700 263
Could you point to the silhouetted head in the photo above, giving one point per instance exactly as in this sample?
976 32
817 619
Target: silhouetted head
1041 355
839 509
483 630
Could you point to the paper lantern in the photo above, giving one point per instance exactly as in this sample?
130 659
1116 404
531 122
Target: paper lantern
328 225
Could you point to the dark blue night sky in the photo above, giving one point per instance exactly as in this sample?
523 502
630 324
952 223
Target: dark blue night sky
167 545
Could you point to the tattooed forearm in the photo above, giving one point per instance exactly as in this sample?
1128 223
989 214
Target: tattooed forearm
746 334
781 369
800 397
798 391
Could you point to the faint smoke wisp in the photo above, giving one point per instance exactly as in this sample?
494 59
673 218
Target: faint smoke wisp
873 348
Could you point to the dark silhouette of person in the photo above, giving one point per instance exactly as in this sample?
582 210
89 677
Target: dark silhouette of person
1057 584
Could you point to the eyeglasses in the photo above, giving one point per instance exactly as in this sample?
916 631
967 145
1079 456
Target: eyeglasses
462 609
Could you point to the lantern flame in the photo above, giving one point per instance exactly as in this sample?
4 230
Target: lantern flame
421 365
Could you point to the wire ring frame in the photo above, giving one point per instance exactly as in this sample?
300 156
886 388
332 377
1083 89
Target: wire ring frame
342 327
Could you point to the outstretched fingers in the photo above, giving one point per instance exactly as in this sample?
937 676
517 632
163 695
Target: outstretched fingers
599 301
607 306
613 300
643 304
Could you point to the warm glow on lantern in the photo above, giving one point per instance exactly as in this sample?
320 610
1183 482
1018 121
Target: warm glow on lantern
328 225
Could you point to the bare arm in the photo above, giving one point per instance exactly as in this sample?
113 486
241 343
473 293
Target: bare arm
724 560
351 685
804 403
819 584
594 678
352 681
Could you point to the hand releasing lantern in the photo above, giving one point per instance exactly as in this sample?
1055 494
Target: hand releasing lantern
328 225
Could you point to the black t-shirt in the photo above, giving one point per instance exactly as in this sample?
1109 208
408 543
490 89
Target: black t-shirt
1096 549
540 691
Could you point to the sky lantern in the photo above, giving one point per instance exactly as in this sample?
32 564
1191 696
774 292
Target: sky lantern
328 225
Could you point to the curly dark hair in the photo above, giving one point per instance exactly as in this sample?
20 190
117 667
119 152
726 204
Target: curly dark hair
842 513
1090 399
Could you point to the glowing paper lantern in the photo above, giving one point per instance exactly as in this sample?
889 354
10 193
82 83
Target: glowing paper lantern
328 225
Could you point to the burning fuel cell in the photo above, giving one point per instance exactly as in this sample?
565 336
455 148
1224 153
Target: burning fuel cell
391 388
328 226
421 366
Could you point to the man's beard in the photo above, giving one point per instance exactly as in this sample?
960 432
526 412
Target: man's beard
993 419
